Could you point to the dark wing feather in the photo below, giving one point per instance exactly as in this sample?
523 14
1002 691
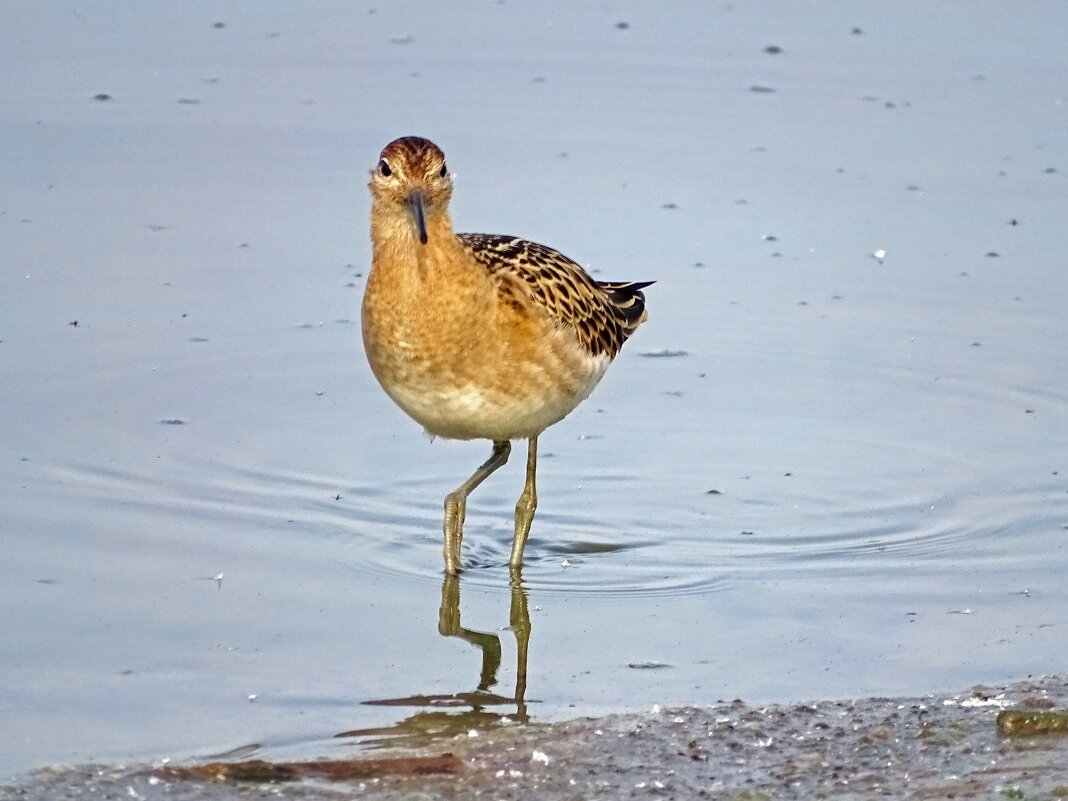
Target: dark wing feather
601 314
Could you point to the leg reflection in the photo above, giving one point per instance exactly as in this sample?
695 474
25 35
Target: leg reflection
489 643
449 626
444 715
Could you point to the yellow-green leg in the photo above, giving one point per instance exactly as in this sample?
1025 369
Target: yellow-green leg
456 504
524 509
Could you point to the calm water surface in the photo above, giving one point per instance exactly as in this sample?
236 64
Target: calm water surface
814 473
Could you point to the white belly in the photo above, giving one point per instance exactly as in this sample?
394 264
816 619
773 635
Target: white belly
505 413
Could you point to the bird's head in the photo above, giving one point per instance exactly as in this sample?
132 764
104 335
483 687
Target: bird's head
411 184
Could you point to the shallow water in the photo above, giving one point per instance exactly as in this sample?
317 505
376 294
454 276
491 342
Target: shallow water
814 473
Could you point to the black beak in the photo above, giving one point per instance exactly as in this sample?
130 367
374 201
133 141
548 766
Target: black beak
417 203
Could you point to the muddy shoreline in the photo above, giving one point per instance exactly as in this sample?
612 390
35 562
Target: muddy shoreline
931 747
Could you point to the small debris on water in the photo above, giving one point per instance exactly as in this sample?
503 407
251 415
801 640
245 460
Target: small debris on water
773 50
666 353
172 421
405 39
622 26
102 97
648 665
761 90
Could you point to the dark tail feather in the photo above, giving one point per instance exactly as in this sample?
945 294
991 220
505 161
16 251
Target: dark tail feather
629 299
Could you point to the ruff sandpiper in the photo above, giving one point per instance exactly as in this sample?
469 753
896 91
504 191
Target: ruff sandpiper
480 336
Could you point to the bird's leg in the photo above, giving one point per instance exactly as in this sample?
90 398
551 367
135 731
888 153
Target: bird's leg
456 504
524 508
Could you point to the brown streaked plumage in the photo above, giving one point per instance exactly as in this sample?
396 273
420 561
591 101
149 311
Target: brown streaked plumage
480 336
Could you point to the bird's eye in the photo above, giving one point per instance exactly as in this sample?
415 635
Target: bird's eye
444 170
384 169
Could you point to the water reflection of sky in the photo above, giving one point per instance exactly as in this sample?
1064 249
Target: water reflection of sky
851 481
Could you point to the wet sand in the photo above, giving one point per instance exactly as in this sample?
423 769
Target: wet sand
931 747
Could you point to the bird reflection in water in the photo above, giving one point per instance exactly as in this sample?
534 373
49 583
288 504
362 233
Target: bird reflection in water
450 714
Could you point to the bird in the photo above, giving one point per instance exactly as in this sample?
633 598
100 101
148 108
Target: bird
480 336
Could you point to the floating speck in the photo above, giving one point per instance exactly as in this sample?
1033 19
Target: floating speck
992 254
879 255
218 25
748 533
622 26
172 421
188 101
668 205
648 665
102 97
664 354
198 339
1050 170
773 50
761 90
857 31
769 237
405 39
